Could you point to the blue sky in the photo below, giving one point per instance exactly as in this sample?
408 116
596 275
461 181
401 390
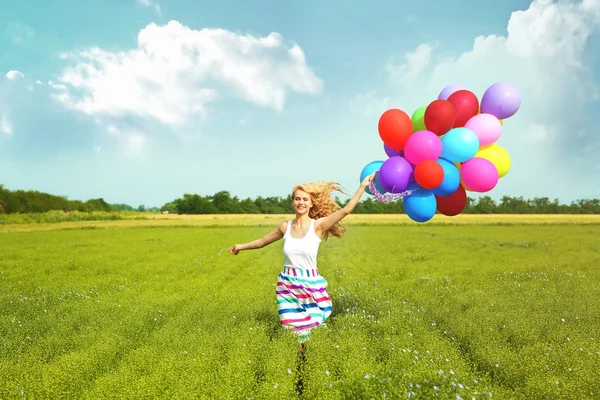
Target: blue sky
141 101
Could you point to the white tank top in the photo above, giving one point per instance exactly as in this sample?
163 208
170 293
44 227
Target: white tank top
301 253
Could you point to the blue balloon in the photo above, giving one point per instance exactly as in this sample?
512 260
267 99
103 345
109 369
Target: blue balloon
460 144
451 178
421 205
371 167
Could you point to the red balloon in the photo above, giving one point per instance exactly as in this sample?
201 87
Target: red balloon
453 204
466 105
429 174
439 116
395 127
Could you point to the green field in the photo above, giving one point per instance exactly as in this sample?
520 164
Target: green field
503 308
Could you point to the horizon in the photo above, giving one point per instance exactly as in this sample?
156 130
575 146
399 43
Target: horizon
184 97
283 197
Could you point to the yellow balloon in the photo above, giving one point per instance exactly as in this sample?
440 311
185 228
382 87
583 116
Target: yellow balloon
498 156
501 122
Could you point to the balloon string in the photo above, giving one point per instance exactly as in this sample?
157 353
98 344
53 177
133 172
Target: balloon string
388 196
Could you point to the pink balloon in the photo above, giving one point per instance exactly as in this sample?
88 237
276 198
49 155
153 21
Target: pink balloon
487 128
422 145
479 174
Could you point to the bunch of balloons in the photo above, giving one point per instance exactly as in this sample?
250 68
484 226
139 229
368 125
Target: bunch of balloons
444 150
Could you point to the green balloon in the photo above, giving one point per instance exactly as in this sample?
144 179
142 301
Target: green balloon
418 119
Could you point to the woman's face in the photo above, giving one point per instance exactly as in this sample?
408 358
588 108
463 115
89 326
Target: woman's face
302 202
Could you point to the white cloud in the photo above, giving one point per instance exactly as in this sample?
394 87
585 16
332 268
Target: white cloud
12 75
545 54
415 63
150 4
5 125
176 72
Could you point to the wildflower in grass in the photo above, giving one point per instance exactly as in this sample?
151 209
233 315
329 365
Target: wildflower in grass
302 299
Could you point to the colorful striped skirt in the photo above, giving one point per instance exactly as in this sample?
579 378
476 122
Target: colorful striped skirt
302 300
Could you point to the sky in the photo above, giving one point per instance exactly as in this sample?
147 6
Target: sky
142 101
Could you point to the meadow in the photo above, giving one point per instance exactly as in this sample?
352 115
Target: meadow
495 306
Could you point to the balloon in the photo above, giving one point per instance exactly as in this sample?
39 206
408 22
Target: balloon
487 128
418 119
429 174
420 206
502 100
453 204
449 90
459 144
394 128
391 152
395 174
451 178
466 105
462 182
479 174
439 116
422 145
371 167
498 156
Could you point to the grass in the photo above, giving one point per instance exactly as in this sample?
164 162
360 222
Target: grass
498 307
151 220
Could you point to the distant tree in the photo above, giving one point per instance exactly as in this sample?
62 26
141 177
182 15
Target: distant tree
247 206
171 208
97 205
122 207
224 204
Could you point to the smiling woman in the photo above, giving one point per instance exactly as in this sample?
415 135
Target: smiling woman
302 299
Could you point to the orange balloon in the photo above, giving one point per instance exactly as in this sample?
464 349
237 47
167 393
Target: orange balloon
395 127
429 174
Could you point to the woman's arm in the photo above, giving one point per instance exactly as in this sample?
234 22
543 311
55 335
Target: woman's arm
324 224
271 237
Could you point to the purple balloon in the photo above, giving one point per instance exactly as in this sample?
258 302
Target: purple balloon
448 90
395 174
502 100
391 152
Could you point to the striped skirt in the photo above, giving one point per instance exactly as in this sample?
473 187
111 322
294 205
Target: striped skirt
302 300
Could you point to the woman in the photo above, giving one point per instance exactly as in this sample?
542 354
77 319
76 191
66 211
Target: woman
302 299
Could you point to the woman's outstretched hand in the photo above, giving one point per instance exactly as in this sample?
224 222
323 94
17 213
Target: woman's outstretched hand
234 250
368 179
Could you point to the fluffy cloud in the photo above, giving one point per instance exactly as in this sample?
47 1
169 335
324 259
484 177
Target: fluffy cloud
12 75
176 72
545 54
416 62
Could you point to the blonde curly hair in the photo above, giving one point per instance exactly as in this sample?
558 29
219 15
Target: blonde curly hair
323 204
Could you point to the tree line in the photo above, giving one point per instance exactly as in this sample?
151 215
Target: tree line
223 203
21 201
